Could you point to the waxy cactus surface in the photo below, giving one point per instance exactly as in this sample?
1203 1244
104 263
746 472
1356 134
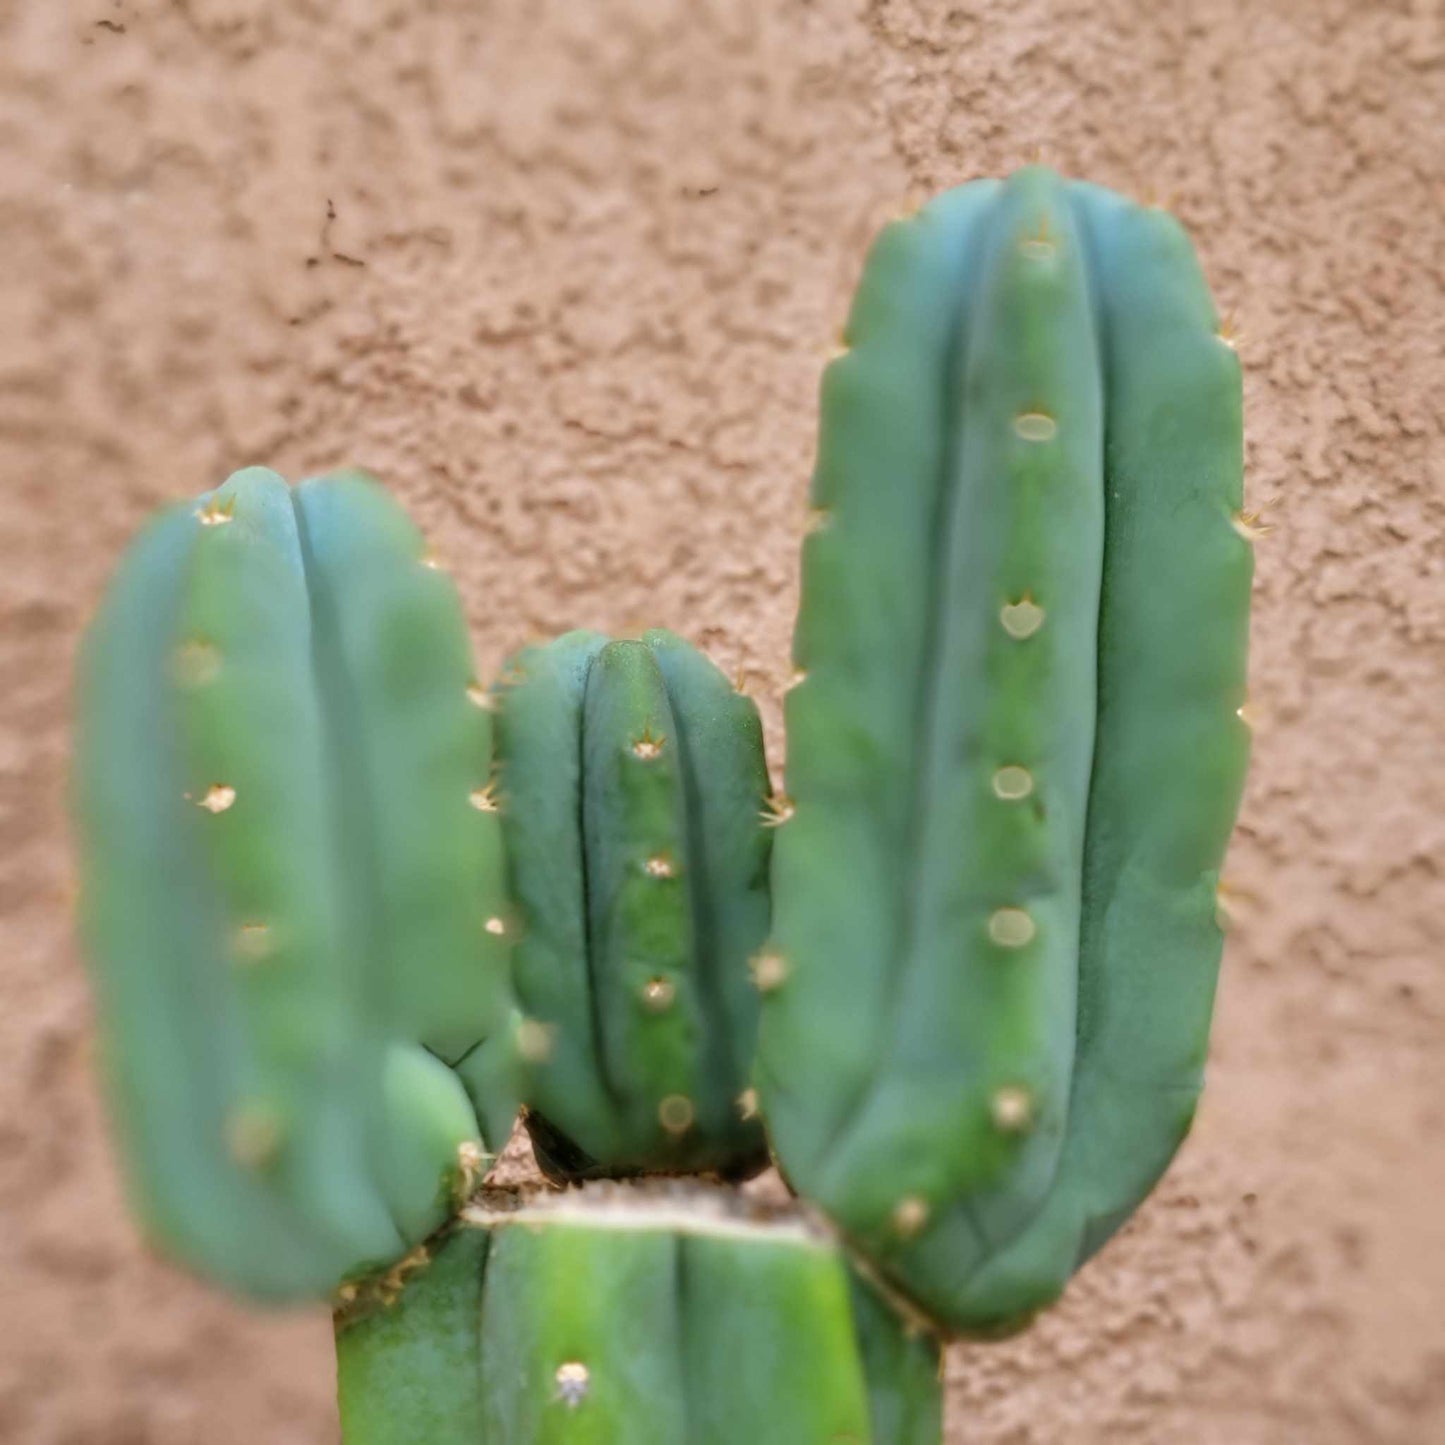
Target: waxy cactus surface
315 882
632 784
633 1317
288 898
1016 745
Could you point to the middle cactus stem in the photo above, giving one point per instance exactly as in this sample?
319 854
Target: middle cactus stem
641 1314
632 784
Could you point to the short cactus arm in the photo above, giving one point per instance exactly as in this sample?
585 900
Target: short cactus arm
632 784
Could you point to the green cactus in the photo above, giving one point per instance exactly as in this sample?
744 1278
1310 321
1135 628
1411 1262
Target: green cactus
1016 748
632 784
632 1316
287 896
312 891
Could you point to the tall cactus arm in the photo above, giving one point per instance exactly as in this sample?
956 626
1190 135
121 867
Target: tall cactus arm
1013 749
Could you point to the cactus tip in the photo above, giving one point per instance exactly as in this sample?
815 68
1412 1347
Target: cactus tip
253 1136
218 798
658 994
659 866
252 943
768 968
1035 426
648 746
1021 619
816 519
676 1113
1012 1109
1011 927
1039 245
1250 525
1012 783
534 1041
484 800
573 1380
480 696
195 663
217 512
496 926
909 1216
777 809
472 1161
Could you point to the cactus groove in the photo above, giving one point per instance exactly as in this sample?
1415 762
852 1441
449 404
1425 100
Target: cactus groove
1014 751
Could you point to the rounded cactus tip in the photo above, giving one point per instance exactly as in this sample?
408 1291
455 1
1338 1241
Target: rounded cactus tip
1012 783
218 798
648 745
769 969
777 810
1011 927
534 1041
676 1114
658 994
1012 1109
574 1380
1035 426
909 1216
1021 619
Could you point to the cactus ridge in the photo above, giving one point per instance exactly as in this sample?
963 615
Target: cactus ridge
284 887
1013 753
631 780
633 1318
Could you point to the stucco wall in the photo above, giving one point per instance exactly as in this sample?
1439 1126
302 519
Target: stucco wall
564 274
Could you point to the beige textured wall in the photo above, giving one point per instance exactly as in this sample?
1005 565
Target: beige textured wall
564 274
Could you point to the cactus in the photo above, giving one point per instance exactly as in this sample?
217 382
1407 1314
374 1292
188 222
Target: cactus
1016 747
632 783
979 996
287 898
633 1316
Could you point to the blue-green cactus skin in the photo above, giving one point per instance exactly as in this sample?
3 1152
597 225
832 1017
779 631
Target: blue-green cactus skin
288 896
1015 748
632 784
619 1325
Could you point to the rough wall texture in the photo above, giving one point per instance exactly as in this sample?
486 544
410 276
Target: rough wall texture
564 273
